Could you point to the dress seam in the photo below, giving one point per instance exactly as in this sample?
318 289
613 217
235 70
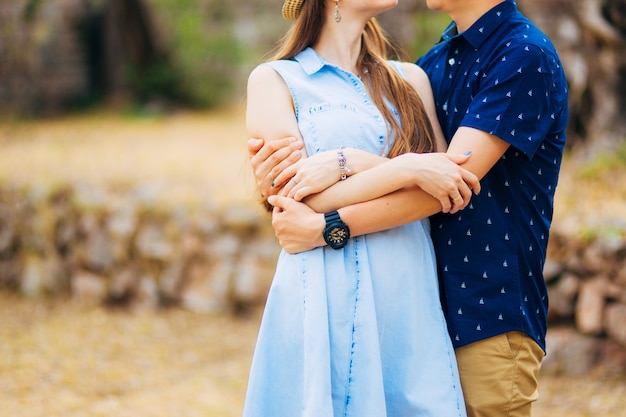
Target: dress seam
357 298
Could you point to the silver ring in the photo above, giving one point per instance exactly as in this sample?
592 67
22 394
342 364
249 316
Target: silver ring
294 181
456 198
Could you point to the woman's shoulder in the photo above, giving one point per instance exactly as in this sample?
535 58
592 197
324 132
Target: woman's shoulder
266 77
416 76
271 69
414 72
262 73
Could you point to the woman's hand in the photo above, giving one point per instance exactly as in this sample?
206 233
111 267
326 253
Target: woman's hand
320 171
309 176
297 227
270 158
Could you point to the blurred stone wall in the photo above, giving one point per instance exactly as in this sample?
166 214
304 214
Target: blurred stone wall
42 64
586 277
121 248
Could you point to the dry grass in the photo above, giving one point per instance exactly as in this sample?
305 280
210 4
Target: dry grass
189 156
61 359
58 359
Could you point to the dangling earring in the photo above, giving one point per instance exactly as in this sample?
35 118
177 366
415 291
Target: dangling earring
337 16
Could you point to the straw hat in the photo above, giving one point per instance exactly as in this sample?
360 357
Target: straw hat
291 9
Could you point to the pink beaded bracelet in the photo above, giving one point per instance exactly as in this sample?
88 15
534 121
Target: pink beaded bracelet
343 170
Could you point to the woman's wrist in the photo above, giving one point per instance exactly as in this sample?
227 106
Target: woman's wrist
358 160
344 171
404 169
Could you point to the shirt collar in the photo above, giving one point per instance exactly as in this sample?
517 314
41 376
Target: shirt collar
483 27
310 61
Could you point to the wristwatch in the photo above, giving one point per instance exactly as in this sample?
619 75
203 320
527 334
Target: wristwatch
336 232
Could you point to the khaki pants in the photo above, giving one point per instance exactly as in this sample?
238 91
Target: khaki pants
499 375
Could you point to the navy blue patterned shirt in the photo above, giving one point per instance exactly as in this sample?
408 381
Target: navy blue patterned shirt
501 76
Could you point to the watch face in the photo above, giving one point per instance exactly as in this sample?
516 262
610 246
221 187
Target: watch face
337 235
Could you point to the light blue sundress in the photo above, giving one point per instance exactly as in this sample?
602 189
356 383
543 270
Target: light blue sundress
358 331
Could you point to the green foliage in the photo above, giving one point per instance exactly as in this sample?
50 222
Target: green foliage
605 164
30 9
159 79
204 51
428 26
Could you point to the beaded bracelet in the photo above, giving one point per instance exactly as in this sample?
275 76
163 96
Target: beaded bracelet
343 170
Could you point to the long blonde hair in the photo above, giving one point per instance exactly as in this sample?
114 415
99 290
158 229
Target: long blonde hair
413 132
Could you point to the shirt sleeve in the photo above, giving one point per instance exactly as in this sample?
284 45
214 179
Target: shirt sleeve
515 100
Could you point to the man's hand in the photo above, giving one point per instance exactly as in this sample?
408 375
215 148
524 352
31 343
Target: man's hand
269 159
441 176
297 227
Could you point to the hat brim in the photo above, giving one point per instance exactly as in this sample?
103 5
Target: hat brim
291 9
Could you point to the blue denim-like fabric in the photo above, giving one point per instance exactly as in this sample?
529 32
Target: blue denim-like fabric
358 331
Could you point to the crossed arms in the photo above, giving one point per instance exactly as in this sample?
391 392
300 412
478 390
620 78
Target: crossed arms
411 186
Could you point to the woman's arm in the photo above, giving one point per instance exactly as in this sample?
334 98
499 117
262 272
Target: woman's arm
438 174
299 228
270 114
419 80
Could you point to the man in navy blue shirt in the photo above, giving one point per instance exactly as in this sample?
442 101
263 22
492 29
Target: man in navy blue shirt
500 92
498 84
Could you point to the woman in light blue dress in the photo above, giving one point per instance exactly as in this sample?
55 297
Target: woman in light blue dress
356 331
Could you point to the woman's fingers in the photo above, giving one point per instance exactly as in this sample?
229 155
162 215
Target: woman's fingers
271 158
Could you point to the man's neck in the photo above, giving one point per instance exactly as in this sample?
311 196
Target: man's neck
470 11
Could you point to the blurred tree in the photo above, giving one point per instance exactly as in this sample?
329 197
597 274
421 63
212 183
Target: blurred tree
199 52
205 52
414 27
133 51
124 51
591 38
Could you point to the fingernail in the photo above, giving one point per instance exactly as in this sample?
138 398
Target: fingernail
468 153
292 139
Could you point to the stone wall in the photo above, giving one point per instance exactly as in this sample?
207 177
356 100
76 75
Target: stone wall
42 66
123 247
586 277
120 247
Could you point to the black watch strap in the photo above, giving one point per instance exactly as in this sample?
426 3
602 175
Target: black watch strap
336 232
332 216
